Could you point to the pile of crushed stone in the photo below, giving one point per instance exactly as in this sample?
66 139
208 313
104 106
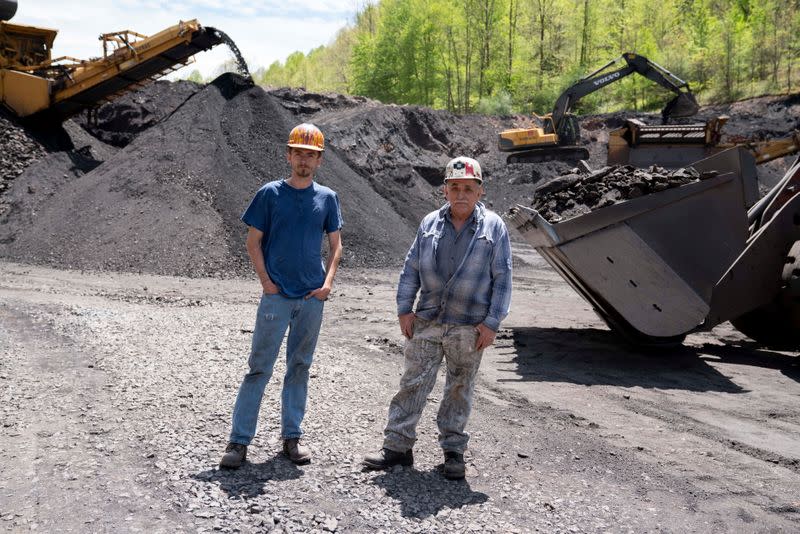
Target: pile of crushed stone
575 194
170 201
117 123
18 150
156 181
161 183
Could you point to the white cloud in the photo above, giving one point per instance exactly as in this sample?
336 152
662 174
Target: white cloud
264 31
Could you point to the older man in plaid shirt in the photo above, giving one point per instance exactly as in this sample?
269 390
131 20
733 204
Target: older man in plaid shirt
460 264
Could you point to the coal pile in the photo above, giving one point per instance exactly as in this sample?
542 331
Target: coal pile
18 150
402 150
575 194
170 201
299 100
158 183
26 147
118 123
156 180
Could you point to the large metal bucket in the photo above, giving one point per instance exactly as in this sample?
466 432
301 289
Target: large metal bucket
649 265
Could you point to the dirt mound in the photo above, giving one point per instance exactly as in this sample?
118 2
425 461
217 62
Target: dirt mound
192 156
573 194
402 152
170 201
18 150
117 123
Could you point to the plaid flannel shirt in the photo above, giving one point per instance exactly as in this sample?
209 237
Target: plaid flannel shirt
480 289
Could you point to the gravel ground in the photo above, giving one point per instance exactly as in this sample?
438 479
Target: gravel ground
117 391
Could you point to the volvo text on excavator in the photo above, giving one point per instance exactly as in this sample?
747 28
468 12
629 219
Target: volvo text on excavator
560 132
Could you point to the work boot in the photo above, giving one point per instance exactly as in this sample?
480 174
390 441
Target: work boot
235 454
386 458
454 467
296 451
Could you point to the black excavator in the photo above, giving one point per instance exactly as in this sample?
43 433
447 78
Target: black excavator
557 139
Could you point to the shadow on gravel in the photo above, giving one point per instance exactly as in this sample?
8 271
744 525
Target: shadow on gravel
750 353
423 494
590 356
248 481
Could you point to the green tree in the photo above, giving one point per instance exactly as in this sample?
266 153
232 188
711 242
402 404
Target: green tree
465 55
195 77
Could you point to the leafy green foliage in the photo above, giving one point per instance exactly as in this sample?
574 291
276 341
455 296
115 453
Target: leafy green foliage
195 76
497 104
502 56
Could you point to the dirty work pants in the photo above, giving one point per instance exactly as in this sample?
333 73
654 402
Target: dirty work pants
423 355
275 314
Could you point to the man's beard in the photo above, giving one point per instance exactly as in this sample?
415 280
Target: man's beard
302 172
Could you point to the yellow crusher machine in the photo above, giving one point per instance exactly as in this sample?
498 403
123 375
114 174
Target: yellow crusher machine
32 82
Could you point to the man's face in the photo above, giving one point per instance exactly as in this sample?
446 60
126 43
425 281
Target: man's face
462 194
304 162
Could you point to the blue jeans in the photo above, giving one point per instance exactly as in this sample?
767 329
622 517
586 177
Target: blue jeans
275 314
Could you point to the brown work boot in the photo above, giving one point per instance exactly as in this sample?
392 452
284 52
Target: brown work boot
235 454
386 458
454 467
296 451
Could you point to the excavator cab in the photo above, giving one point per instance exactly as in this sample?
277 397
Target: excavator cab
546 143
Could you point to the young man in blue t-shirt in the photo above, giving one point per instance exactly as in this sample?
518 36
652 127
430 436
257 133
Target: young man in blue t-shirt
287 220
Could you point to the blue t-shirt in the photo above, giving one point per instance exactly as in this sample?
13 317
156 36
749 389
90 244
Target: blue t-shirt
293 222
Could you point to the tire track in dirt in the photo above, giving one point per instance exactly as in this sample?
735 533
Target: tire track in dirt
685 423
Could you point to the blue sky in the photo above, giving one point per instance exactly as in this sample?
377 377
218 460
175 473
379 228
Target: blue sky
264 31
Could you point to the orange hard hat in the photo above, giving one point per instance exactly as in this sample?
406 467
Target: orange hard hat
306 136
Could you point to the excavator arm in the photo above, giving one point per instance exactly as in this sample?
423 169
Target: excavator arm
683 105
561 132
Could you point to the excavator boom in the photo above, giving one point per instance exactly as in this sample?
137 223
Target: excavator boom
534 145
683 105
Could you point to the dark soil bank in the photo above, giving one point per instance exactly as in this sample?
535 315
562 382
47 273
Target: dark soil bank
156 181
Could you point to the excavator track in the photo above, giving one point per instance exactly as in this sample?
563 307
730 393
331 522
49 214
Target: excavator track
541 155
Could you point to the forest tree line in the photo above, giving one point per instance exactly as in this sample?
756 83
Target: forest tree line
501 56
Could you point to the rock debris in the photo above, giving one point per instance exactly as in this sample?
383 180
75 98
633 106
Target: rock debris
575 194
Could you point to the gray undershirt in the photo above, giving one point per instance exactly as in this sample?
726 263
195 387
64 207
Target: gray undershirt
453 245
